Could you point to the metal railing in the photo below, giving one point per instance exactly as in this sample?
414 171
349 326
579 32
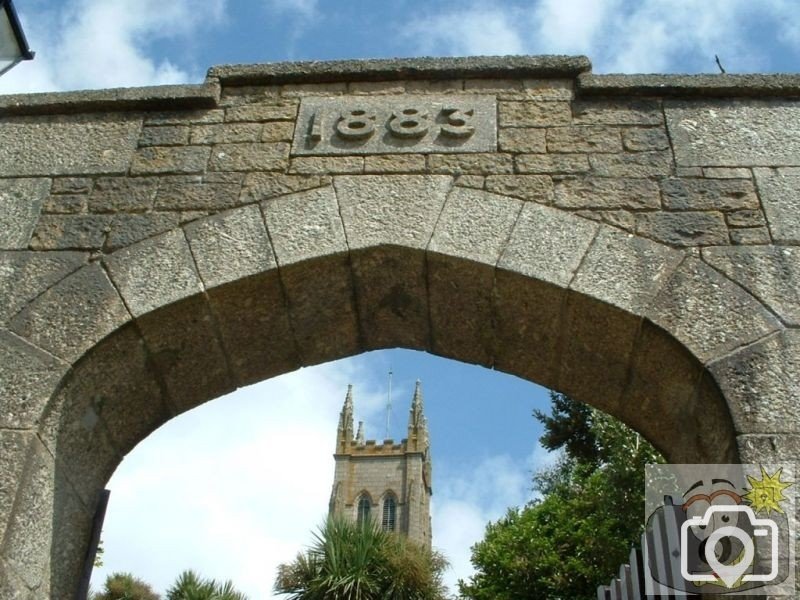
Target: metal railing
630 583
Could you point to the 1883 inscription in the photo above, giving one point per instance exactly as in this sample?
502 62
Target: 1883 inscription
390 124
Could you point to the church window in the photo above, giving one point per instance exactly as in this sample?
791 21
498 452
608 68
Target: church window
389 513
364 507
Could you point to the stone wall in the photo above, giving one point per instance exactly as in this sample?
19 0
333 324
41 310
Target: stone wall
628 240
680 172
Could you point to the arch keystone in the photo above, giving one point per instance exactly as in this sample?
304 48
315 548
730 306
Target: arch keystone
473 228
544 250
389 221
381 210
306 226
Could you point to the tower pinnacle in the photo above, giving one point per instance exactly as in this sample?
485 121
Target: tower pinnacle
417 423
360 435
344 433
416 417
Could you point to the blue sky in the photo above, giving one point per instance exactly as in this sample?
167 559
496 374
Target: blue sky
104 43
206 490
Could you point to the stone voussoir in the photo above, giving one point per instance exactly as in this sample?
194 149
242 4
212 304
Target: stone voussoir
475 225
708 313
218 261
154 272
73 315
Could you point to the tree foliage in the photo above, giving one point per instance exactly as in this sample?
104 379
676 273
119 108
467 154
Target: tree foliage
359 561
124 586
98 556
590 511
569 427
190 586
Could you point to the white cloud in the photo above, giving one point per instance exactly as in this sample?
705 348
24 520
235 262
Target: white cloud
302 14
653 36
788 29
104 43
464 503
234 487
302 8
570 26
618 35
473 31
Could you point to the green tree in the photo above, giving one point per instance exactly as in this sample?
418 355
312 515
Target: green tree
190 586
98 556
124 586
574 537
569 427
351 561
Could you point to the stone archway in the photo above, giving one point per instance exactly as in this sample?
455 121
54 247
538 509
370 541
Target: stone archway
685 346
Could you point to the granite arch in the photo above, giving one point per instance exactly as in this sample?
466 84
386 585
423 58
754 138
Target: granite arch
691 340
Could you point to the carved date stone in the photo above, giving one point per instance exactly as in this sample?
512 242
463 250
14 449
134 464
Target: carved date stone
388 124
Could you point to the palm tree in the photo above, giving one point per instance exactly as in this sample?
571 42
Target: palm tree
189 586
359 561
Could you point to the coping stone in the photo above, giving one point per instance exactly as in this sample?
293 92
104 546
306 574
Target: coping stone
205 95
702 85
473 67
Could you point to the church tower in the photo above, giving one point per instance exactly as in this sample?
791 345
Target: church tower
388 483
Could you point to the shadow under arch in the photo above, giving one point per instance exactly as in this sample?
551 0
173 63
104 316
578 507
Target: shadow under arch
374 263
